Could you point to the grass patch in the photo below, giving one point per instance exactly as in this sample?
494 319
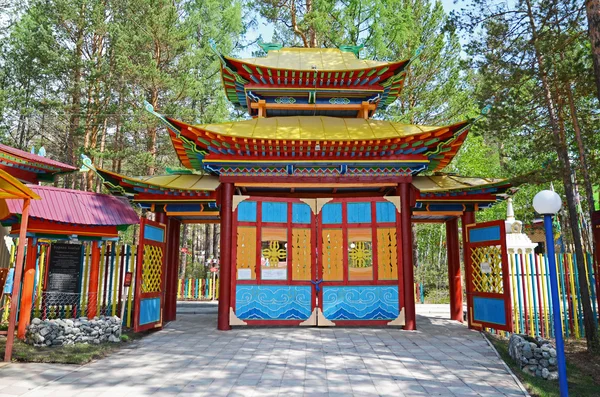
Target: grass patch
72 354
581 382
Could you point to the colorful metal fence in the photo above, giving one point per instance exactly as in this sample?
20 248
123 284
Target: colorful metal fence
110 298
198 289
530 291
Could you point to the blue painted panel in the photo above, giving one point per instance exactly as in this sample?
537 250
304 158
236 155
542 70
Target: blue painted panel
149 310
490 310
300 213
361 303
247 211
490 233
184 207
332 213
154 233
359 212
386 212
274 212
273 302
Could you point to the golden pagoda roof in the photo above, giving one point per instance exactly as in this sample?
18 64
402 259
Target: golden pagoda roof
450 183
316 128
301 59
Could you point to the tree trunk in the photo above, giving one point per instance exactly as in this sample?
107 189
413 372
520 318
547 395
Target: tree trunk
101 159
183 265
592 8
216 233
591 334
75 107
152 134
589 191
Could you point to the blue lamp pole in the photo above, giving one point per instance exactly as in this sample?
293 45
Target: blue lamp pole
548 203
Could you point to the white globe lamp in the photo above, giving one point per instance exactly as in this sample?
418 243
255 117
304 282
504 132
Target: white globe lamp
547 202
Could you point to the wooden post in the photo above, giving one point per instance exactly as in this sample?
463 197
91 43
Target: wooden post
262 108
26 301
225 256
452 246
93 286
173 231
468 218
17 281
407 257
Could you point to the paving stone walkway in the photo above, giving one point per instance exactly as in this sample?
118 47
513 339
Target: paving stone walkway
190 358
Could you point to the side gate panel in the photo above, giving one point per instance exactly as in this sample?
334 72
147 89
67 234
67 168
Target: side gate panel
150 276
488 287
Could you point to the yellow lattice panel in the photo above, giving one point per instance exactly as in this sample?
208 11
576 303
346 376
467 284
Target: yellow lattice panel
387 254
246 251
301 254
332 257
152 269
486 266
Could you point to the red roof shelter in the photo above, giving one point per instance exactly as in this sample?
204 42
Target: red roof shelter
66 212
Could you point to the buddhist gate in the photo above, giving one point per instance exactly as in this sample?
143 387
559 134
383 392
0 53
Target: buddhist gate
315 198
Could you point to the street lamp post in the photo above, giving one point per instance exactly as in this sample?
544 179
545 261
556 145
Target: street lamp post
548 203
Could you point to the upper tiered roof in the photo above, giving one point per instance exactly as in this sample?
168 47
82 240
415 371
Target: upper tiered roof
29 167
311 81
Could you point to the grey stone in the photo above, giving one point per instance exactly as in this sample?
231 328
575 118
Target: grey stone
552 361
553 376
545 373
44 331
69 322
532 361
552 352
36 321
544 363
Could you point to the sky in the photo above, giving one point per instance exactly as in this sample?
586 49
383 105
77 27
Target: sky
266 30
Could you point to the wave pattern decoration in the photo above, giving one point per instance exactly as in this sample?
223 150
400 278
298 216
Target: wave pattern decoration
272 302
361 303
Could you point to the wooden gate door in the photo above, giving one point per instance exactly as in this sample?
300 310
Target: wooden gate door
487 277
274 262
150 276
359 251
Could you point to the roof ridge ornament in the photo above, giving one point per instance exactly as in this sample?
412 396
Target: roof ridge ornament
88 165
355 49
266 47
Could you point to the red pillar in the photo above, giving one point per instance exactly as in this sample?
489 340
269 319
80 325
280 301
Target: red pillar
17 281
93 288
161 217
456 312
468 218
404 190
225 257
173 232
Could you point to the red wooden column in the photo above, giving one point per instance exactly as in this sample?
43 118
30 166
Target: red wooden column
452 245
173 237
161 217
17 281
225 257
596 234
404 191
467 218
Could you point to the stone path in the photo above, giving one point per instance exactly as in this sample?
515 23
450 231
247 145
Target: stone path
190 358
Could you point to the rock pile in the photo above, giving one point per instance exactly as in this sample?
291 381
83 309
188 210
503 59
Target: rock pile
71 331
536 357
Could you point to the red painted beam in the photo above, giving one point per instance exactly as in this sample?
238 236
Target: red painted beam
225 257
317 180
454 278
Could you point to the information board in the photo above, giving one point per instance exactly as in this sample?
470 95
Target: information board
64 270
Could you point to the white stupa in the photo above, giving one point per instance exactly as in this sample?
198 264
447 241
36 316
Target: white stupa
517 242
